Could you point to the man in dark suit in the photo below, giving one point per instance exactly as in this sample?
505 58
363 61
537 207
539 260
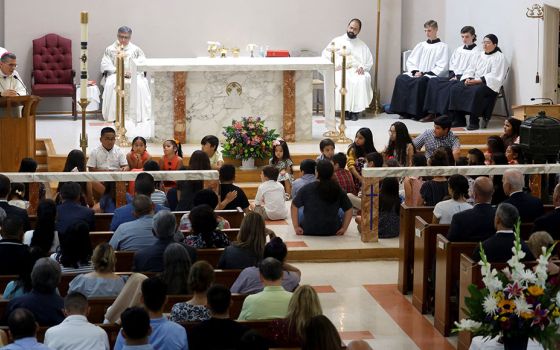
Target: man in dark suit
498 247
550 222
14 255
71 211
476 224
529 207
10 209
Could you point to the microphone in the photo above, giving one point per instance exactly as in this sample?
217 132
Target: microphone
549 100
18 79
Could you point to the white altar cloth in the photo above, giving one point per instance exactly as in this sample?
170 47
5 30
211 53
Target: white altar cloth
206 96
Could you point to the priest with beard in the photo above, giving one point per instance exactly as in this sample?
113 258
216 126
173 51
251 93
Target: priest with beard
143 100
480 84
429 59
358 63
436 102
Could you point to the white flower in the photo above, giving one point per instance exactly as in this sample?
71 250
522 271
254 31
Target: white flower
557 299
468 325
490 305
521 305
526 277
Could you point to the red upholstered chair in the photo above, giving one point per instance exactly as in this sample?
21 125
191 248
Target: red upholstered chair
52 74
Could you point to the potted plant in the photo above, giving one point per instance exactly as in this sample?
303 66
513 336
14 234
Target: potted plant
248 139
515 303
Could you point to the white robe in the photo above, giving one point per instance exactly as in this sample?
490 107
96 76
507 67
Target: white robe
462 58
359 92
142 124
427 57
493 68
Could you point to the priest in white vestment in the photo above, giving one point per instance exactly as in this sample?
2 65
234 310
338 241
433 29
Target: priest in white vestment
436 102
480 84
429 59
142 123
358 64
10 81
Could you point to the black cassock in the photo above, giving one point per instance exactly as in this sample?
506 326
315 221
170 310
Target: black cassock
475 100
437 95
408 95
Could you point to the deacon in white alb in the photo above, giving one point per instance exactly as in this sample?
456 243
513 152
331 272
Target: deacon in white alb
358 63
10 81
131 51
429 59
480 84
436 102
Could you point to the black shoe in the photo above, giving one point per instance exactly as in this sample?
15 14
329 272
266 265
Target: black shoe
484 123
473 127
355 116
347 115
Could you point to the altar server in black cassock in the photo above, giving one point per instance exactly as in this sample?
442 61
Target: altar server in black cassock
437 94
481 83
429 59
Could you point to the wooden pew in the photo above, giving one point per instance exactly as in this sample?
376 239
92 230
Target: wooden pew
448 258
424 253
125 259
103 220
406 243
98 306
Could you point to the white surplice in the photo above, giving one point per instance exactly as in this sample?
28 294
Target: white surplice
492 67
429 57
462 57
359 92
143 101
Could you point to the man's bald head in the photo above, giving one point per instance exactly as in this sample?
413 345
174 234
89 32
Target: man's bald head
513 181
483 190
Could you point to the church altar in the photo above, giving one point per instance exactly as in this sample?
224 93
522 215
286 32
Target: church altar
194 97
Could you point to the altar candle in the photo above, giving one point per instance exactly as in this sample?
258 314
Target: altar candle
83 56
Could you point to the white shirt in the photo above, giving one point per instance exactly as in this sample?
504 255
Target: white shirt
360 54
131 51
445 210
102 159
271 195
426 57
75 332
28 236
493 68
462 58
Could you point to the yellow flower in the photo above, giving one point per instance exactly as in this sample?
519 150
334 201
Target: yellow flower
506 306
555 312
527 315
503 319
535 290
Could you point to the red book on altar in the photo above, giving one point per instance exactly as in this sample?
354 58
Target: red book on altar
278 53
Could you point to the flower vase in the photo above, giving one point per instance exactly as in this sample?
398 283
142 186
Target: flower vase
248 164
515 343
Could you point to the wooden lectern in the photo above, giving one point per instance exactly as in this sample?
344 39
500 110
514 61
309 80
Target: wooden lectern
523 112
17 133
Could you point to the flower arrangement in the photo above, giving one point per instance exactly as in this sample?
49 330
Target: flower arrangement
248 138
516 302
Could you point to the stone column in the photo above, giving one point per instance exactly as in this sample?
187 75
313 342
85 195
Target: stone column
289 125
180 106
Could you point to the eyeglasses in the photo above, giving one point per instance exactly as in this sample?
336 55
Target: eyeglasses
11 65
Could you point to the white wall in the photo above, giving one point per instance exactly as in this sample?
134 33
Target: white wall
415 13
178 28
2 23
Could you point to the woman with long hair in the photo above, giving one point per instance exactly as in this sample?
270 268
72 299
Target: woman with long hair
75 250
458 188
512 127
102 281
201 277
327 211
436 189
176 267
203 233
187 189
303 306
400 145
248 249
357 151
45 236
76 162
494 144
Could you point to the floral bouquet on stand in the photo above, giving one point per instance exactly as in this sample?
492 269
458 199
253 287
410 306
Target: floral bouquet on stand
516 303
248 138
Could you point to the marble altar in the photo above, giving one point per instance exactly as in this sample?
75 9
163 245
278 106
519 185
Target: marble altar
194 97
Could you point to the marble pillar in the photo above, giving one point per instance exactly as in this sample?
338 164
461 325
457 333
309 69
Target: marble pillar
289 125
179 106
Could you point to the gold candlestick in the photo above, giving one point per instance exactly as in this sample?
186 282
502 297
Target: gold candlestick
342 127
375 105
333 50
120 94
84 102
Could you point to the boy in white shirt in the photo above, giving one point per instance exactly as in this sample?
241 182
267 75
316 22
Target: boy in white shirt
107 157
270 201
210 145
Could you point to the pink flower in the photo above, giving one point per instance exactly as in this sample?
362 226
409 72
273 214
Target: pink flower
238 125
251 126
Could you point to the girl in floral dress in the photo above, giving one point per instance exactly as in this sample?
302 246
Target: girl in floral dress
281 161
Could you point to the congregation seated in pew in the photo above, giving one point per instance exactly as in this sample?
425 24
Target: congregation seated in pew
204 233
201 277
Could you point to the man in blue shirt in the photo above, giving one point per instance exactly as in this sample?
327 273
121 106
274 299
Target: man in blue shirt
24 330
166 335
137 234
71 211
144 184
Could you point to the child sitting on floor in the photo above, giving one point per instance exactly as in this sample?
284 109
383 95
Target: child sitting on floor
327 149
210 145
269 201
